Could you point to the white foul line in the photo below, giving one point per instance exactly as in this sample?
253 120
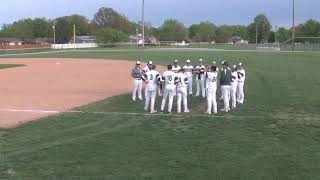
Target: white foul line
128 113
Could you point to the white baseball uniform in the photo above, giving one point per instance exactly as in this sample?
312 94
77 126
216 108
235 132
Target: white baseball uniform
151 89
211 88
189 72
145 70
176 69
182 94
241 81
234 85
200 78
169 78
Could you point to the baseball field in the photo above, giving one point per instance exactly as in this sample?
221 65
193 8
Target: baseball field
68 115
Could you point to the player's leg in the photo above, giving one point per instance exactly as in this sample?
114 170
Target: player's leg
225 98
198 87
146 92
190 85
153 96
238 92
179 98
214 102
147 102
171 95
203 89
140 90
209 102
134 89
228 97
164 99
233 96
184 94
159 90
221 97
242 93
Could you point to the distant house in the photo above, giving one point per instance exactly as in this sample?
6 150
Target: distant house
44 41
238 40
134 39
5 41
84 40
137 39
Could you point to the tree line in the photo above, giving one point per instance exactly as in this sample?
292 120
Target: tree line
110 26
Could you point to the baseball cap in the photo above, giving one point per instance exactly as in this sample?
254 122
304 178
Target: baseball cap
223 62
240 64
200 60
138 62
176 61
188 61
150 62
214 62
234 66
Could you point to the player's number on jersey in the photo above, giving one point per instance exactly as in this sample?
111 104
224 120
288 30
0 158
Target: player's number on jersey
151 77
170 78
214 79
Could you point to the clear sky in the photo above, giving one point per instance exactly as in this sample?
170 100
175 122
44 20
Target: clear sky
187 11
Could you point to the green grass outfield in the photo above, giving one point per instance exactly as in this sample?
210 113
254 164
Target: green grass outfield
5 66
275 135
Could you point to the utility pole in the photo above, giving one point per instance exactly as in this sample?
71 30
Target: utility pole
275 34
142 23
256 33
293 25
54 34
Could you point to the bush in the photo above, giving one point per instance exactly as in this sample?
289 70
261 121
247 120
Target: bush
109 35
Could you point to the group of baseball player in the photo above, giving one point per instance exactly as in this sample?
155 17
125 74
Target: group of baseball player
177 82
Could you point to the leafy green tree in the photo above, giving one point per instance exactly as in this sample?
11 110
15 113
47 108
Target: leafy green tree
173 30
42 28
263 27
283 34
107 17
224 34
81 22
240 31
205 31
23 29
63 30
109 35
311 28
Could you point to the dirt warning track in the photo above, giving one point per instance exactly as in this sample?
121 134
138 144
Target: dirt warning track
57 85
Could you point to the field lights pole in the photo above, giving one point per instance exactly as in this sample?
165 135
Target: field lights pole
293 25
142 23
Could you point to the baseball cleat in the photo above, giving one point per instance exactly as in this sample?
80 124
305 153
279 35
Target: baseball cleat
186 111
146 110
133 99
152 112
141 99
207 113
224 110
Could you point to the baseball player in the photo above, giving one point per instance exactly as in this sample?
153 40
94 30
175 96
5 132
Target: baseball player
211 89
241 81
215 64
170 79
189 72
137 74
221 97
234 85
145 70
225 82
176 67
152 78
182 94
200 77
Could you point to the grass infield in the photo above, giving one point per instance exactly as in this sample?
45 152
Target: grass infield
282 88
